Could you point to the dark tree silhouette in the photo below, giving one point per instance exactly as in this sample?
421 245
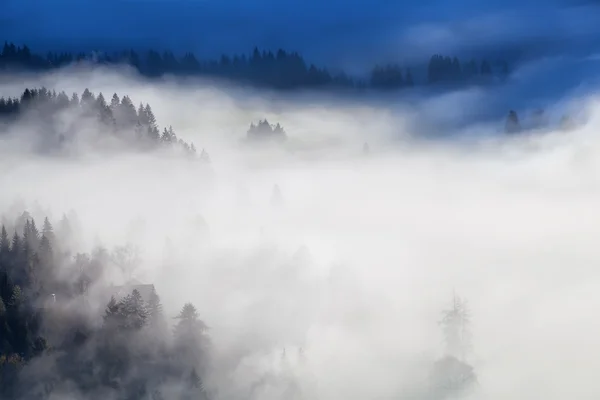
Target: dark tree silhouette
265 131
134 129
282 70
512 123
123 353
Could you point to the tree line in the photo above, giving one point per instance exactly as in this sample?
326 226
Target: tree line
118 119
537 120
265 131
53 340
278 70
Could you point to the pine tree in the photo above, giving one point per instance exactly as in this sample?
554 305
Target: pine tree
188 334
451 375
155 309
16 297
105 113
166 136
87 99
142 116
189 322
125 115
31 235
455 326
115 102
111 314
45 253
149 115
134 312
75 100
48 231
16 245
4 243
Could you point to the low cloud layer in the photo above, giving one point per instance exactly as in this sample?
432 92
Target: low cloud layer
366 250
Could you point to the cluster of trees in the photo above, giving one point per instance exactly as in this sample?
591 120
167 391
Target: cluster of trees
538 120
444 69
265 131
391 76
279 70
118 119
54 341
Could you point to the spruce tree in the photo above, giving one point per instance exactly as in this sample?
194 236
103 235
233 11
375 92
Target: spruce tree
189 338
48 231
4 243
134 312
154 307
115 102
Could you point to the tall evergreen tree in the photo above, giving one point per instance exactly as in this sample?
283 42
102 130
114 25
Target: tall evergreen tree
48 231
4 243
134 311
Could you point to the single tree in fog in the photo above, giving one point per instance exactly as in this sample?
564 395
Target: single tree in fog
512 123
189 335
455 327
451 375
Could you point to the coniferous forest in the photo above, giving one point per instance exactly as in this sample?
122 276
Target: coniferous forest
66 330
117 120
276 70
54 341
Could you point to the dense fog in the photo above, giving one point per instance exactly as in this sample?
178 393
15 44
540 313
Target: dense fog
322 263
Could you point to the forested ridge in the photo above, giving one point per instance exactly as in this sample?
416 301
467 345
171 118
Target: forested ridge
56 341
264 68
53 340
118 119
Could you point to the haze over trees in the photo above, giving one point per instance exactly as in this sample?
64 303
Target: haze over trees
537 120
118 120
452 375
76 324
54 341
282 69
264 131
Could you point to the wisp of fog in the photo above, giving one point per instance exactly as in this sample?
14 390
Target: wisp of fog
339 284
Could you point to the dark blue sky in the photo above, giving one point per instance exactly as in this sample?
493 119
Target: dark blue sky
351 33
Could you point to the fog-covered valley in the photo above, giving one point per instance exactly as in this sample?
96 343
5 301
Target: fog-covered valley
321 261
